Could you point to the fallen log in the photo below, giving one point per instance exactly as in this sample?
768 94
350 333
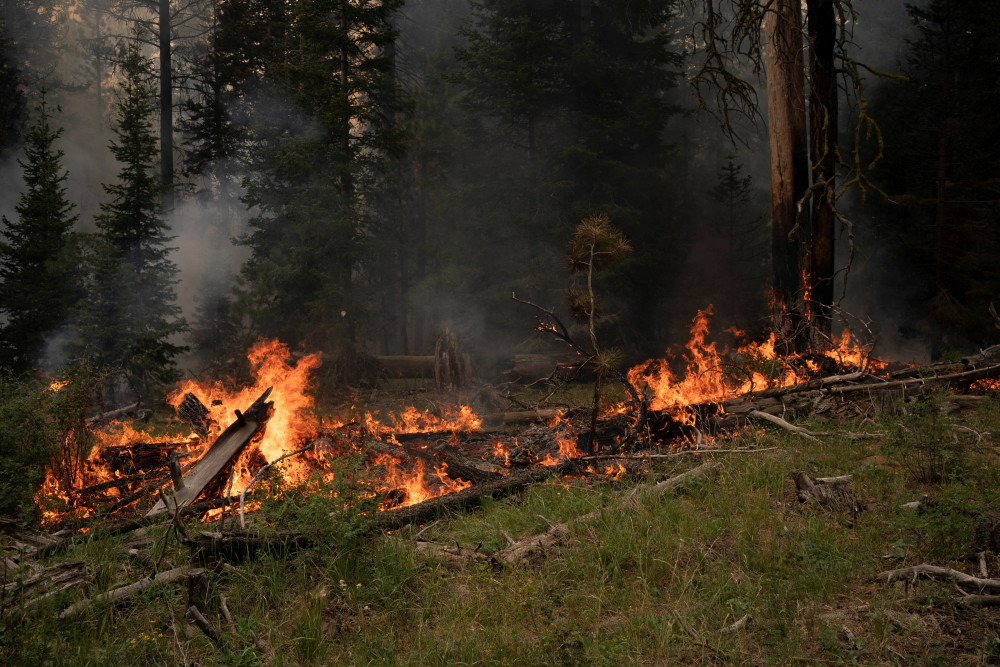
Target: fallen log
531 549
936 572
125 592
222 452
466 498
530 368
237 546
523 416
117 413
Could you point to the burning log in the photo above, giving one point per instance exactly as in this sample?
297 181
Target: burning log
459 467
218 457
466 498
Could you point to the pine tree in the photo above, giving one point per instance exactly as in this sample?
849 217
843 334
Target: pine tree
940 173
11 98
131 313
37 263
318 168
737 244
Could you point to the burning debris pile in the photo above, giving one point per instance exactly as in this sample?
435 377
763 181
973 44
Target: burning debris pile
235 436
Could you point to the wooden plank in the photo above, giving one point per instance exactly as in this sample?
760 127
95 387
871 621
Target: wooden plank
223 450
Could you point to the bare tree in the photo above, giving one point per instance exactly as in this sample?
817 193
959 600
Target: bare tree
777 39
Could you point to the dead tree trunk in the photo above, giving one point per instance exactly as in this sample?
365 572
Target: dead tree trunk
786 129
823 149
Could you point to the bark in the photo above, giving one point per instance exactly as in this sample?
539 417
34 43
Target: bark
822 28
786 127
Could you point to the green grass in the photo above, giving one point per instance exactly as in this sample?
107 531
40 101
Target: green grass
652 581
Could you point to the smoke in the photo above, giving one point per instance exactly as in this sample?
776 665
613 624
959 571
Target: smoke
207 259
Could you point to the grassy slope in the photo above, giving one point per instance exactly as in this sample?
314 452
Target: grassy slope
651 582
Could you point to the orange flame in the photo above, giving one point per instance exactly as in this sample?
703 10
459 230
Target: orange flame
712 374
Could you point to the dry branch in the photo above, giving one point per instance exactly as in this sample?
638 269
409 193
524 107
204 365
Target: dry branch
125 592
530 549
774 419
453 556
936 572
196 616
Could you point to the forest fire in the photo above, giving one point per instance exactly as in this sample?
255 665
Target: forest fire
417 455
713 374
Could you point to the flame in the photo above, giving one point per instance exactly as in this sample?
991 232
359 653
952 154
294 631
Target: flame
457 419
292 424
56 385
712 374
416 484
293 421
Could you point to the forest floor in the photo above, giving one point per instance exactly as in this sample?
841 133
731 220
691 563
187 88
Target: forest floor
652 580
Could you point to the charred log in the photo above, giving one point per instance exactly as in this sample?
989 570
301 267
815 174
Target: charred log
193 412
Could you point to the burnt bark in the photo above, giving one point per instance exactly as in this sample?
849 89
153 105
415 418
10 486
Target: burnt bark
822 29
786 127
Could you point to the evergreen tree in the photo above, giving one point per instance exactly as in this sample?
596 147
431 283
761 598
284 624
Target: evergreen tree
569 103
940 172
37 262
737 244
11 98
131 313
318 171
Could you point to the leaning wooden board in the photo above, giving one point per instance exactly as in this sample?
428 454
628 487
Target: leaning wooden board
223 450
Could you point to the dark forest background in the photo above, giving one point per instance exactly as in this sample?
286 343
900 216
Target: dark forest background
180 178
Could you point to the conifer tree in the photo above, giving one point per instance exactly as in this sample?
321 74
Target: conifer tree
36 254
131 313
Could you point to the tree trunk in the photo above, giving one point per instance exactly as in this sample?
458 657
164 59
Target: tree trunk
823 149
166 105
786 126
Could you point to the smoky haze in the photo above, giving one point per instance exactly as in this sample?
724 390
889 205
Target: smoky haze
449 290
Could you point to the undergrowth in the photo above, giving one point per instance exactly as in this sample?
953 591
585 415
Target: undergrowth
653 580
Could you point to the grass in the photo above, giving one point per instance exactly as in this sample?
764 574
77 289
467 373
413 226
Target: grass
653 581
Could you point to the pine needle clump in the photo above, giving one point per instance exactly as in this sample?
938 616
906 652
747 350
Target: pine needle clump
597 241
